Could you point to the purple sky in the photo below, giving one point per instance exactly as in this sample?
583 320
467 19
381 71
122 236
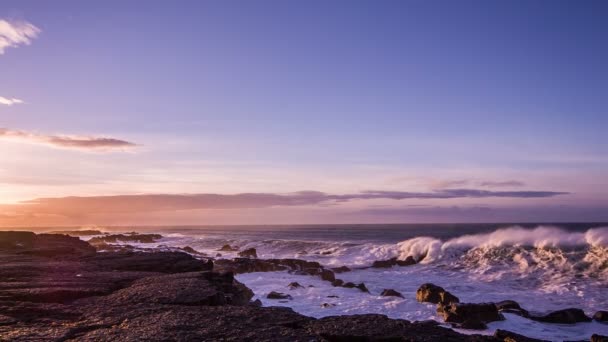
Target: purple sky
233 112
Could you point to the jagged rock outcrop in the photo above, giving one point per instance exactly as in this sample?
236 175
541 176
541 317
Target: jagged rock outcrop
248 253
470 315
431 293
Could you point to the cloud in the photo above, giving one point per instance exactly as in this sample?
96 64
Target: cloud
77 206
502 184
15 33
9 102
67 141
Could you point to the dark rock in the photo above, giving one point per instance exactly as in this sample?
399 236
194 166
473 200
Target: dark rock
391 293
228 248
87 232
249 253
508 336
394 262
256 303
362 287
511 306
431 293
132 237
599 338
470 314
191 250
372 327
338 282
44 245
278 295
333 296
565 316
341 269
218 255
193 288
601 316
295 285
328 275
327 305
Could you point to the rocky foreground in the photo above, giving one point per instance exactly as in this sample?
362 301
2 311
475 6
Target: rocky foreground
59 288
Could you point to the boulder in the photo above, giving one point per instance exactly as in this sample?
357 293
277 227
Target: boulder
565 316
511 306
391 293
328 275
470 315
295 285
278 295
601 316
249 253
77 233
360 286
228 248
431 293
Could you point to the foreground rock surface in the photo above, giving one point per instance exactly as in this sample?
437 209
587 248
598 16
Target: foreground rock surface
159 296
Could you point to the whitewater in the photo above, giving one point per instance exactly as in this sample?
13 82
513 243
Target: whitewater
542 267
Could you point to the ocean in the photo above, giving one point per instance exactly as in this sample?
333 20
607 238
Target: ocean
543 267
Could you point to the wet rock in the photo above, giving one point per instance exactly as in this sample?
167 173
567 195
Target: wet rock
218 255
131 237
601 316
565 316
295 285
394 262
327 305
228 248
249 253
328 275
507 336
338 282
341 269
431 293
470 315
391 293
256 303
511 306
360 286
333 296
278 295
599 338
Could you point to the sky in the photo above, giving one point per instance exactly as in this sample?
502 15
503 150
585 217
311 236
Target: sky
285 112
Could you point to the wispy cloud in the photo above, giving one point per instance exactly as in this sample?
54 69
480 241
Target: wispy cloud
15 33
510 183
10 101
89 143
77 206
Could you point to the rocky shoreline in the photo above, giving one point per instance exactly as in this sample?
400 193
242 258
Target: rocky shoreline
55 287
